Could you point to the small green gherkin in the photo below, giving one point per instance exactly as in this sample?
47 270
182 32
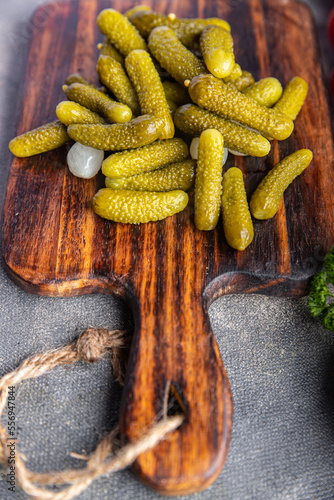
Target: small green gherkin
77 78
135 9
266 199
98 102
114 77
136 207
192 120
234 75
243 81
151 95
173 56
208 181
107 49
217 50
179 175
41 139
237 221
176 93
265 92
214 95
187 30
122 34
69 112
292 98
145 159
118 136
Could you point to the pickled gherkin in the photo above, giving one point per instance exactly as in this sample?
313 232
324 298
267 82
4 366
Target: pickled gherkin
237 221
135 207
77 78
135 9
266 199
175 176
151 95
41 139
234 75
172 107
214 95
69 112
217 50
208 180
98 102
107 49
176 92
242 82
114 77
122 34
292 98
187 30
193 120
265 92
118 136
145 159
174 57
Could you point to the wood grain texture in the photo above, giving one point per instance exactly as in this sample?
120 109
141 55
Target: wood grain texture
53 244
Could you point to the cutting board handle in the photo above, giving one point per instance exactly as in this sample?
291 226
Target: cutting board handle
174 353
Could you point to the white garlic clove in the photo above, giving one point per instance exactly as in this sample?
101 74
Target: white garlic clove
236 153
194 148
83 161
225 156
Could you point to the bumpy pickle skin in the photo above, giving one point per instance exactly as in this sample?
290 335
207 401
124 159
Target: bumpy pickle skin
265 92
192 120
214 95
118 136
114 77
242 82
98 102
266 199
41 139
151 95
173 56
107 49
208 180
69 112
175 176
293 98
122 34
137 207
237 221
217 49
176 93
145 159
187 30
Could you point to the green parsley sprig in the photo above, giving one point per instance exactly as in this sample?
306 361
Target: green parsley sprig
318 298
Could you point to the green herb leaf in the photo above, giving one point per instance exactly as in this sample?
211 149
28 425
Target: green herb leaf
329 265
328 318
318 294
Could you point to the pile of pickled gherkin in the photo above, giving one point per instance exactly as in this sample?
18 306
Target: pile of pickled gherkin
163 77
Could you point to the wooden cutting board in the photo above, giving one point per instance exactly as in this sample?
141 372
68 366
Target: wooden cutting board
53 244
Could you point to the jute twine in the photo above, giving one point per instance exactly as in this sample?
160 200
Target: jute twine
90 346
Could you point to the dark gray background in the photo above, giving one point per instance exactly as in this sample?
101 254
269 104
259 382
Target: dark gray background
280 361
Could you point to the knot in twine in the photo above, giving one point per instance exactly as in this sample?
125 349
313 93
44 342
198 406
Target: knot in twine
90 346
94 343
